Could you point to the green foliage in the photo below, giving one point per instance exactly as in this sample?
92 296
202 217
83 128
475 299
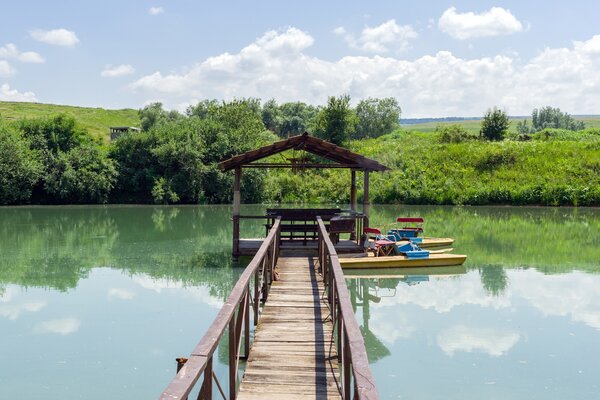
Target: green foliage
454 133
20 166
376 117
548 117
82 175
162 193
76 169
337 121
271 116
176 161
289 119
56 134
494 125
153 114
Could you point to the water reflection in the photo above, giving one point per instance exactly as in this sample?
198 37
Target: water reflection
371 286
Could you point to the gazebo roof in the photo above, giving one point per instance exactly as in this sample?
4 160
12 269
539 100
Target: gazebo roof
342 158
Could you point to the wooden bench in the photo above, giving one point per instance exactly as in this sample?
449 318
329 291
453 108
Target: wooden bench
299 223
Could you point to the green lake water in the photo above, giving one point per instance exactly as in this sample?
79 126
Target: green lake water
96 302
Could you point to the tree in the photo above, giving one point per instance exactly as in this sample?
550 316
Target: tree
271 116
154 114
548 117
377 117
337 121
20 166
296 118
494 125
76 169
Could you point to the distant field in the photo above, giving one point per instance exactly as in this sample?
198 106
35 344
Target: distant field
95 120
473 126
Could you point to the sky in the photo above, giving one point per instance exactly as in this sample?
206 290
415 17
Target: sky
438 58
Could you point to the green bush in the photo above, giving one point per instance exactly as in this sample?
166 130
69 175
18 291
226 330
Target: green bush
453 134
20 166
494 125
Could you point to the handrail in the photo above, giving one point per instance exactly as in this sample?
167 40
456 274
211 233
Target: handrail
200 360
351 346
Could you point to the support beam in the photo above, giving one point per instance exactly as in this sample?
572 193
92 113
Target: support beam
353 191
353 197
236 212
366 203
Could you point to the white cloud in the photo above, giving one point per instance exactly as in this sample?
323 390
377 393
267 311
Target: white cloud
156 10
120 294
11 309
380 39
6 69
468 339
61 326
57 37
277 65
117 71
496 21
581 302
198 293
11 51
8 94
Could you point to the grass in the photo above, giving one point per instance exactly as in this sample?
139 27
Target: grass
473 126
555 170
96 120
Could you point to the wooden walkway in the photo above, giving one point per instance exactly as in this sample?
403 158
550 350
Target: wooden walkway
293 355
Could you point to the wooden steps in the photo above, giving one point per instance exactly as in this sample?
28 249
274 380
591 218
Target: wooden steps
293 355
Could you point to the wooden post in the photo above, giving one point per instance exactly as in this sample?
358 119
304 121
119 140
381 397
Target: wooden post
236 212
366 204
353 198
353 191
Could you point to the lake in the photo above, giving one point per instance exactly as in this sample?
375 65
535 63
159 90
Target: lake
96 302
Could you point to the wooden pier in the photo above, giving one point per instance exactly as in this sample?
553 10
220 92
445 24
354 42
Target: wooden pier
306 344
294 354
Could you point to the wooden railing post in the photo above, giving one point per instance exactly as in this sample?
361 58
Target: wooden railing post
232 360
247 325
206 390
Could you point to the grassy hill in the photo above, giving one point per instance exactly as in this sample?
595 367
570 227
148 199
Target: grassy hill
95 120
474 125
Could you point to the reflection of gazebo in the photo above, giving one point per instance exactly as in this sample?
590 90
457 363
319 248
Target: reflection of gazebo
325 155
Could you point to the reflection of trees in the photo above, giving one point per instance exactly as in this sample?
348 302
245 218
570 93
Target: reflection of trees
361 297
54 247
493 278
511 236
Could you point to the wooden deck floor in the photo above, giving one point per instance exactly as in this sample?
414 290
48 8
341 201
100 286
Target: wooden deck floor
293 355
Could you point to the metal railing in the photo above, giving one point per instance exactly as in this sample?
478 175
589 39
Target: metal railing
357 380
234 317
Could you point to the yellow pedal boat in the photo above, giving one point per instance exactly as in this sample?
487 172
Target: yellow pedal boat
434 260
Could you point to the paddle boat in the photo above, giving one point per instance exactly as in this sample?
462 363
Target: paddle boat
410 230
381 252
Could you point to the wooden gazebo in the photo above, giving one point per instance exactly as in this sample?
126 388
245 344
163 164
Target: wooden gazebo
332 156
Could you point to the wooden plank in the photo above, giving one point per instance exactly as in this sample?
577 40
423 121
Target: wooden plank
293 355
